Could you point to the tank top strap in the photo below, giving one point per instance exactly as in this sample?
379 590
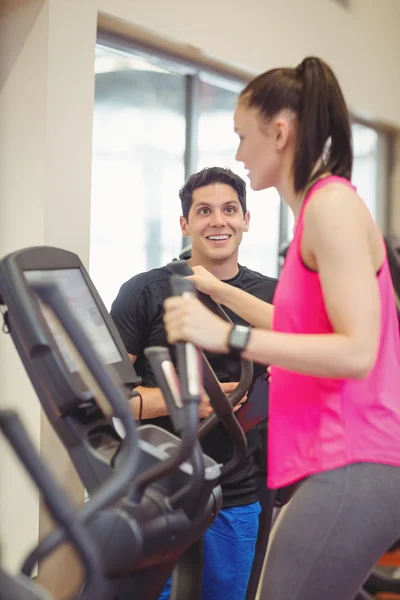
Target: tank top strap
317 186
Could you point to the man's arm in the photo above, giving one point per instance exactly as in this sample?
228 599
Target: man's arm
133 313
133 316
153 404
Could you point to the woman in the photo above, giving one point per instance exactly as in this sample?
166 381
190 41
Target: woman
332 338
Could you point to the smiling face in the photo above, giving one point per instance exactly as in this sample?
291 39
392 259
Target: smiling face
215 223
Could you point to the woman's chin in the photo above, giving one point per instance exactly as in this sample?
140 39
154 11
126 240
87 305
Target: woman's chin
258 183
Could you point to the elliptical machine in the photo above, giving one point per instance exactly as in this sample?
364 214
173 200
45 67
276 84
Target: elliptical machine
55 316
21 587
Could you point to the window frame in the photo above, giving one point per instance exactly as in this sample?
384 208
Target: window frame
197 71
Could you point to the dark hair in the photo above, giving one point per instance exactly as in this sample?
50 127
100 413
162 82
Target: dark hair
313 93
208 176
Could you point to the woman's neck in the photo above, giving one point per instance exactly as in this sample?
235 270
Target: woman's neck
294 200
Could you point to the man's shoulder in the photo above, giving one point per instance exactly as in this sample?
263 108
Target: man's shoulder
155 277
151 287
251 276
257 276
258 284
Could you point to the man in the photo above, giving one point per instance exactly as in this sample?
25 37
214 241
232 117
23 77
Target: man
214 215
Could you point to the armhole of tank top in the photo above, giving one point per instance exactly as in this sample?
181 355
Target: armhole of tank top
379 271
299 255
314 189
383 244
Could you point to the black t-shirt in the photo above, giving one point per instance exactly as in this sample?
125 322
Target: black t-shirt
138 315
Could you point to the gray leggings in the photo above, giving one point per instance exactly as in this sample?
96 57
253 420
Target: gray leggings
327 539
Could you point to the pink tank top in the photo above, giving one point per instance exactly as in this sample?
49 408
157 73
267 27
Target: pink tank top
318 424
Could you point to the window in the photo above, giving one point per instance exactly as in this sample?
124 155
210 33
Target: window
217 145
365 167
138 167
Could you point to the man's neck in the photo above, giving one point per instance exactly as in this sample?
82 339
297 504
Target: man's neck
224 269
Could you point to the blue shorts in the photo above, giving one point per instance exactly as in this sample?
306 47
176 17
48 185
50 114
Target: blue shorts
229 546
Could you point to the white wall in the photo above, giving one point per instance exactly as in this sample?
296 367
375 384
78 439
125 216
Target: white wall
22 189
46 102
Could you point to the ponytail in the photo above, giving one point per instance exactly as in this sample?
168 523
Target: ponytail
324 131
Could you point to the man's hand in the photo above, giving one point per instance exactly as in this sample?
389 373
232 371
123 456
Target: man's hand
205 408
228 388
267 375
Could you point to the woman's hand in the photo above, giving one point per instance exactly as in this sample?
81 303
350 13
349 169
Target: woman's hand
207 283
186 319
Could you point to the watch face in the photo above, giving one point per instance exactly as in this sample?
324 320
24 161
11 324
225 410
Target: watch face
239 337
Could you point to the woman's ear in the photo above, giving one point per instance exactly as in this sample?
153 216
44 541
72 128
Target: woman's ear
283 126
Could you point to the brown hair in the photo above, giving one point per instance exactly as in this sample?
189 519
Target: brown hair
209 176
313 93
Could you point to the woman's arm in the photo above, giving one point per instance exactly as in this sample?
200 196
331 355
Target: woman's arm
251 309
338 230
254 311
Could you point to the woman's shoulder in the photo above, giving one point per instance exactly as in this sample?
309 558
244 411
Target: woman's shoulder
334 198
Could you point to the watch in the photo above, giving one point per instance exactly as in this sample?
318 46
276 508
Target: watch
238 339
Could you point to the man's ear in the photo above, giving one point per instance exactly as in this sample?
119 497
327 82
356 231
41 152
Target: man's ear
184 226
246 221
